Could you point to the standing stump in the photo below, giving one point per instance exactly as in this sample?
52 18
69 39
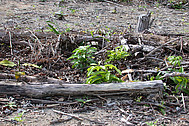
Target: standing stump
143 22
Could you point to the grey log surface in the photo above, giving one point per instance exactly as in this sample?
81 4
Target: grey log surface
44 90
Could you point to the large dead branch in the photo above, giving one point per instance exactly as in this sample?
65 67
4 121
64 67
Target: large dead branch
43 90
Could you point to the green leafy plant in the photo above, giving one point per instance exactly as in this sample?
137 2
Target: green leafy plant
157 5
83 101
118 53
73 10
181 82
19 117
98 74
175 60
83 56
11 105
152 123
162 108
138 99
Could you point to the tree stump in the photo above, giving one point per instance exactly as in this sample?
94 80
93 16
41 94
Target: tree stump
143 22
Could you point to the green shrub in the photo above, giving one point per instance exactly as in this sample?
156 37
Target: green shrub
83 56
181 82
118 53
98 74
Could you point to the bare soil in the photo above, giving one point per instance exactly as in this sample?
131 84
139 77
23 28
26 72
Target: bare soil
85 16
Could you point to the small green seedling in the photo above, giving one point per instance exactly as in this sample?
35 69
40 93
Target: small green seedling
118 53
11 105
175 60
138 99
51 27
19 117
83 101
152 123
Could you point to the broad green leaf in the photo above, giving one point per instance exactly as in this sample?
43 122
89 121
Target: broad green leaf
7 63
98 73
95 79
90 70
88 80
107 76
181 69
93 64
114 77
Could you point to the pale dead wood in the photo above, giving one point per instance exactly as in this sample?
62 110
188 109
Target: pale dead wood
175 74
44 90
10 43
183 101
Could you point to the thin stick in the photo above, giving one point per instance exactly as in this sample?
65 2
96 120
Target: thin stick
38 41
10 43
153 109
184 105
63 113
101 97
31 47
77 117
57 44
61 120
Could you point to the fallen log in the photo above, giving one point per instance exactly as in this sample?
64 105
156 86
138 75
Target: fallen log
44 90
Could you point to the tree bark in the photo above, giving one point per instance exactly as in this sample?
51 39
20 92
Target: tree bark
44 90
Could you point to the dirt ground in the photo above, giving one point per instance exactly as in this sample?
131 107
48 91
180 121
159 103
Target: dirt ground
81 16
84 16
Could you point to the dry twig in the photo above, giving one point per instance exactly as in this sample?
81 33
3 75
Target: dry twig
184 105
10 43
63 113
